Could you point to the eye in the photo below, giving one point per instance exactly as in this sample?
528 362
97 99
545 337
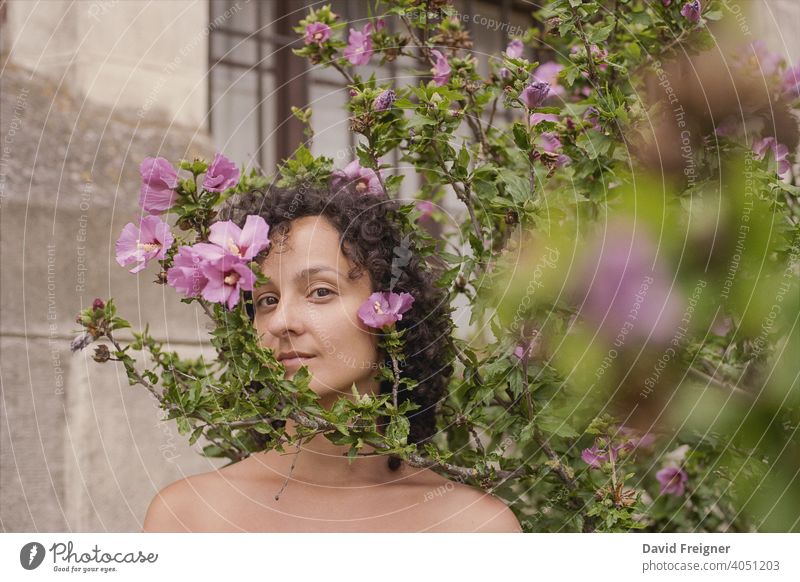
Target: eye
322 289
260 301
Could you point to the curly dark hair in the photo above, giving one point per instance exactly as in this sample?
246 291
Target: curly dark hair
371 234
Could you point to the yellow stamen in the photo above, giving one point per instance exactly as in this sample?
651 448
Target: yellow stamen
231 278
147 247
378 308
233 248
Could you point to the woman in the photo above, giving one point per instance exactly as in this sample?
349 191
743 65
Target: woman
328 253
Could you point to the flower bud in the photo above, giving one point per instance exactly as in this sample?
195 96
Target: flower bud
80 341
534 94
184 223
101 354
385 100
98 304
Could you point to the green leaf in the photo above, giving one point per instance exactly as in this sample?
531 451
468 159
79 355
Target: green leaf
595 144
213 451
398 429
521 137
600 34
516 186
120 323
556 426
183 425
195 435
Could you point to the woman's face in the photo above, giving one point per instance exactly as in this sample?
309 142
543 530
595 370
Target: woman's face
310 306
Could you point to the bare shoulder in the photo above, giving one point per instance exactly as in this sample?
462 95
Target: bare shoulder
462 508
177 506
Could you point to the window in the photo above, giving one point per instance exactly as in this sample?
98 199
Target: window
254 78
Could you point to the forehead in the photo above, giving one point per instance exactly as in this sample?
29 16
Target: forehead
311 241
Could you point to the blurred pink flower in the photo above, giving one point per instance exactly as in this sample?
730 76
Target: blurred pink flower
758 55
384 308
621 269
673 480
359 45
535 118
728 127
317 33
780 151
159 180
515 48
364 180
244 243
595 456
791 81
523 350
221 174
441 69
548 73
150 240
425 207
534 94
635 439
592 115
691 11
549 141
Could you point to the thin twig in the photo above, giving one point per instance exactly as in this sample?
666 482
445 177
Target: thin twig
478 442
426 51
417 460
493 111
344 73
141 380
288 475
207 310
396 381
592 71
463 193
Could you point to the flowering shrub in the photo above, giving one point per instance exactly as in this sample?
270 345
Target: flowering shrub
629 253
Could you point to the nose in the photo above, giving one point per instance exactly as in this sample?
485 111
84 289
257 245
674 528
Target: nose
285 319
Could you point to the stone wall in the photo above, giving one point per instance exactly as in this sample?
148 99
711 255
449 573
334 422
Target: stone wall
81 449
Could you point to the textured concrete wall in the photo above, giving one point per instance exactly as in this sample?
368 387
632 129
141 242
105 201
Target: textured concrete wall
122 53
80 449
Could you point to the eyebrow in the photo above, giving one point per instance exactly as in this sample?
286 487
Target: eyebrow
306 273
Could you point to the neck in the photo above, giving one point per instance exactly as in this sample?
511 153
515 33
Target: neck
318 461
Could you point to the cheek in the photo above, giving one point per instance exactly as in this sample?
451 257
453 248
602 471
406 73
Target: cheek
346 338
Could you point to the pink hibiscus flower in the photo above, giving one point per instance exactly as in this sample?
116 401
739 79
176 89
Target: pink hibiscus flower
384 308
150 240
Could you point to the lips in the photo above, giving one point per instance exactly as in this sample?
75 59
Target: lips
294 359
